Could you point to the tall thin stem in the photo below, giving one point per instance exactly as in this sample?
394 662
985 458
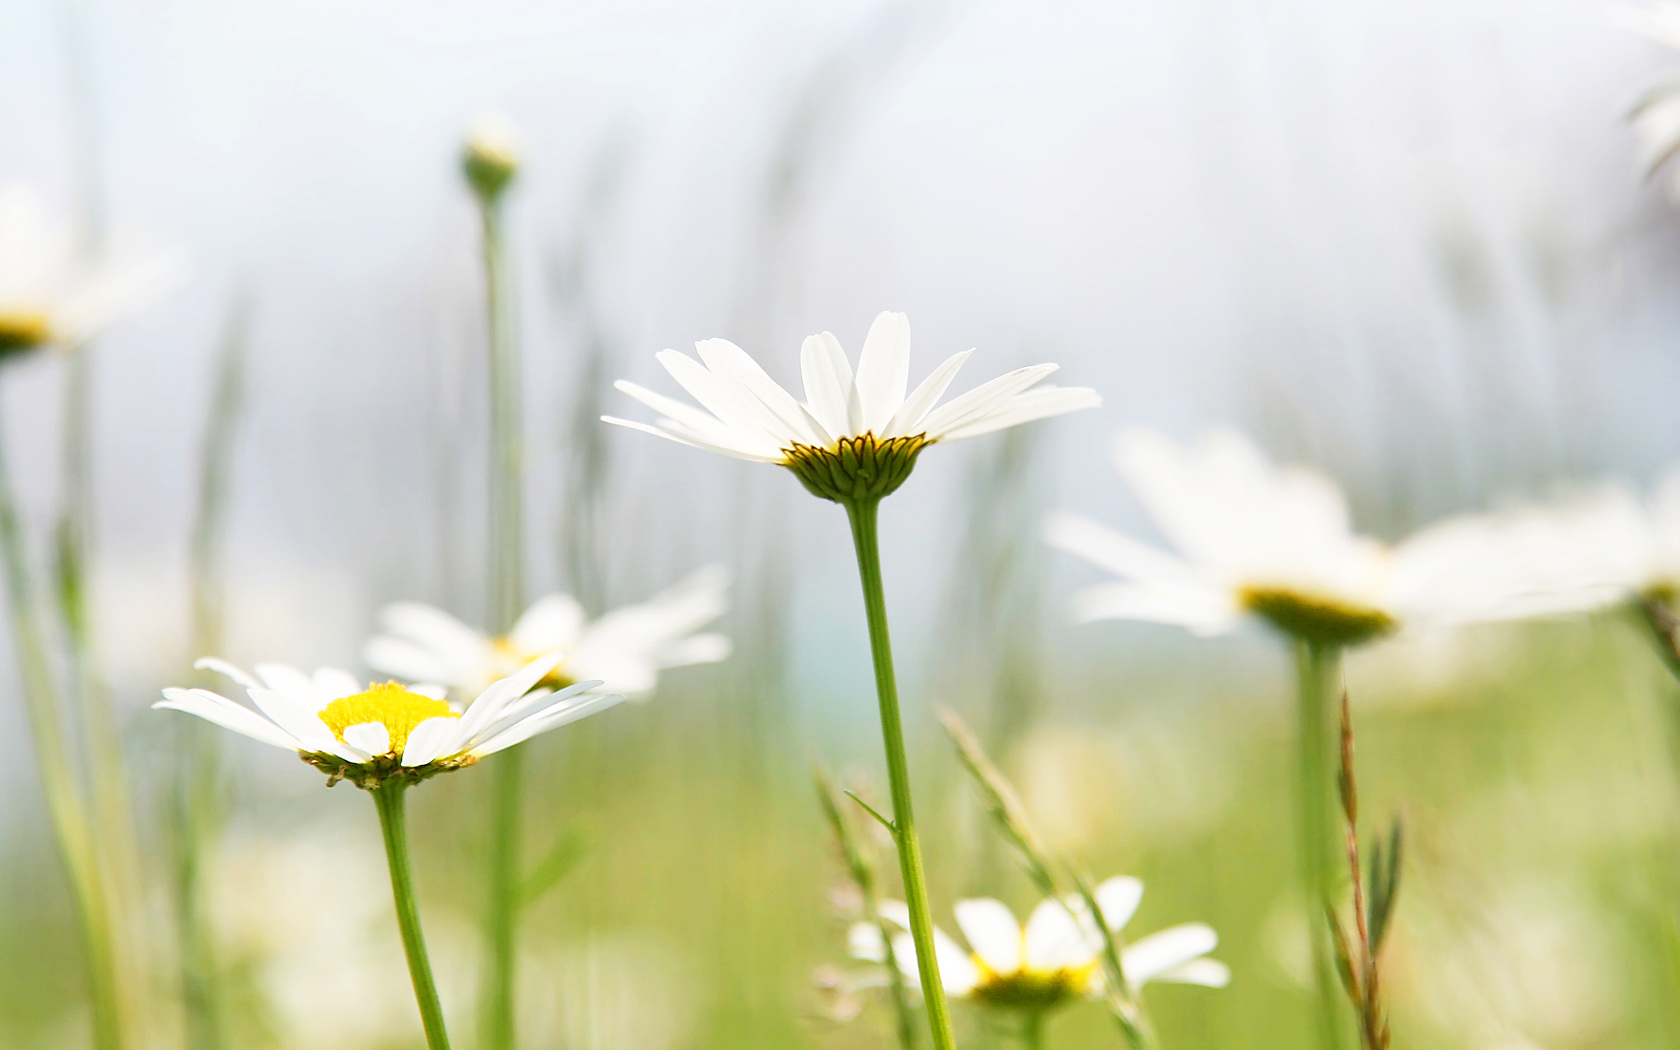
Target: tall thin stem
506 576
65 804
863 515
1316 667
388 798
1032 1031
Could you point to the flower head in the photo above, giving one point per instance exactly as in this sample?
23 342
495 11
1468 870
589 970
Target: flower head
47 297
490 158
1055 959
626 648
386 731
1275 543
856 435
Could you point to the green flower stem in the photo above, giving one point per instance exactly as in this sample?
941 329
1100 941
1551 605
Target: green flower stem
1032 1031
65 804
388 798
507 568
1317 668
863 515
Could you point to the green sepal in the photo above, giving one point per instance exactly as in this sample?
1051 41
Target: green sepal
857 468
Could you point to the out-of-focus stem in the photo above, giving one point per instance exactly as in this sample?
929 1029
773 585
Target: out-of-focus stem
198 813
864 515
506 572
69 814
388 798
1316 666
1032 1031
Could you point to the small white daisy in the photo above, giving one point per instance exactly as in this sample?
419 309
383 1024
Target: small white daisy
855 436
384 731
1259 540
1053 960
49 298
626 648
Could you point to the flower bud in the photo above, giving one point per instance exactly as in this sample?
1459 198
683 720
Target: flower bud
490 158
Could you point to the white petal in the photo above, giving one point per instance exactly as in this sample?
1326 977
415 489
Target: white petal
992 932
296 716
626 647
975 404
1205 611
332 683
1172 947
1027 408
227 714
1209 973
293 682
726 398
1119 554
908 419
222 667
550 718
864 941
407 660
698 649
757 454
895 912
725 358
371 737
1054 941
430 739
457 646
1118 898
695 419
487 707
957 971
884 370
550 625
828 385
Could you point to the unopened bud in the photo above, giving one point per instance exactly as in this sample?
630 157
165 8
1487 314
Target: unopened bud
490 158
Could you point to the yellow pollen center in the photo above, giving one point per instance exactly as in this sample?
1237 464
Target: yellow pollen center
389 704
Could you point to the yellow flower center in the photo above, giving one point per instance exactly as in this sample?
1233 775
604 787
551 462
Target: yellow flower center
389 704
1032 989
506 658
23 331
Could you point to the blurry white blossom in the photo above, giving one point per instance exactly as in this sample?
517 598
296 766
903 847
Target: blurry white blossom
1656 113
626 648
50 295
1052 960
1275 543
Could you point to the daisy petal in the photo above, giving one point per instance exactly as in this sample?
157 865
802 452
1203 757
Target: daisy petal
1209 973
296 716
551 625
550 718
227 714
225 669
1118 898
907 420
725 358
371 737
992 932
429 740
1027 408
884 369
974 405
1054 941
1169 948
828 385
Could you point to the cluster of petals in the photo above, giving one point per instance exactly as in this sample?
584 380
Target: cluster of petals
290 703
626 648
1656 113
50 294
744 413
1060 946
1242 526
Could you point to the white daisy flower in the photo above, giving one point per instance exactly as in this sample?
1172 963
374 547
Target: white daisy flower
1053 960
1655 115
385 731
1259 540
47 297
855 436
626 648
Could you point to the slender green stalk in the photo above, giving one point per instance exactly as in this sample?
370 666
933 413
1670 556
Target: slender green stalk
1032 1031
864 516
860 863
1317 665
65 804
197 808
388 798
507 566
